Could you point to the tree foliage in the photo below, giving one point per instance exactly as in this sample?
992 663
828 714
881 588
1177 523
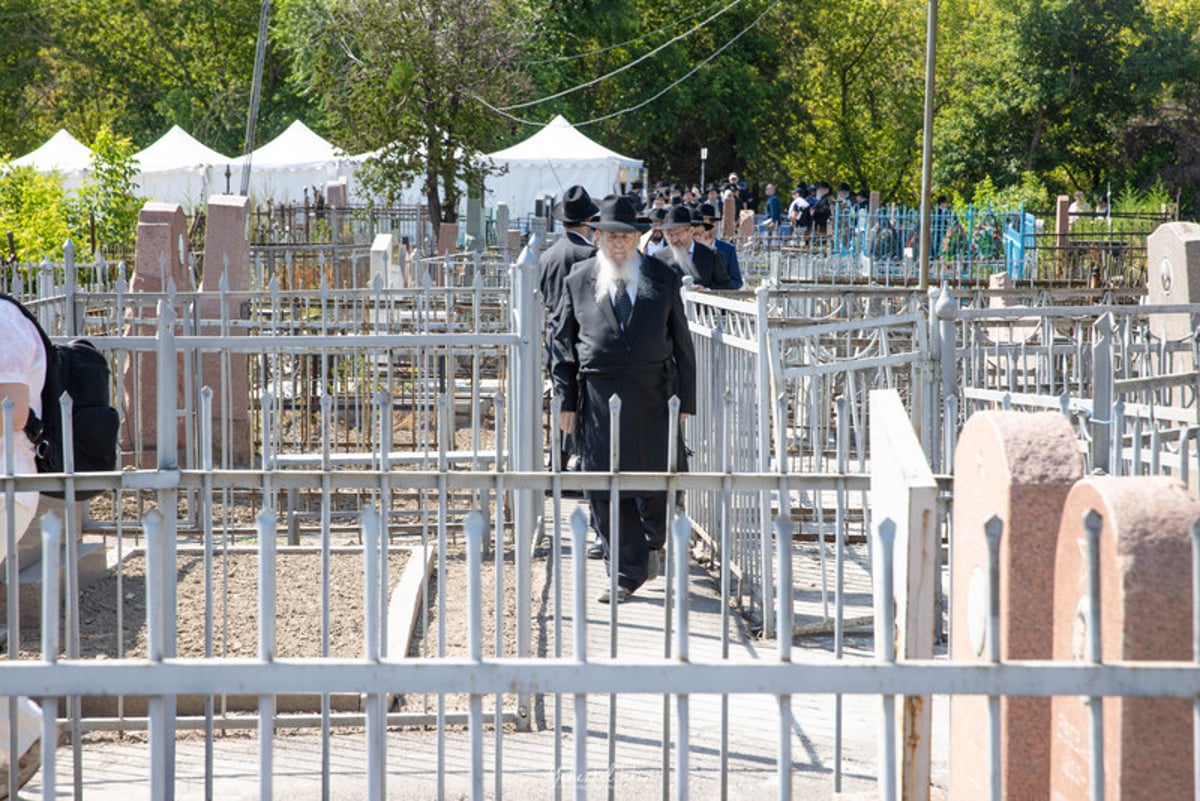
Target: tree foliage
107 203
140 67
404 78
33 207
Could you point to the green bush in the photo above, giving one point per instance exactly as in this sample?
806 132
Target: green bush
33 207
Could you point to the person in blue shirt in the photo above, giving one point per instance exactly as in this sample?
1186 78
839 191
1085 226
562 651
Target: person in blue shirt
772 211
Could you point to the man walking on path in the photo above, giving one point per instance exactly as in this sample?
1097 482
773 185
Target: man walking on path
621 330
575 211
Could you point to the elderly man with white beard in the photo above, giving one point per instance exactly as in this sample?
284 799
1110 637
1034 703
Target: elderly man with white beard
701 263
621 330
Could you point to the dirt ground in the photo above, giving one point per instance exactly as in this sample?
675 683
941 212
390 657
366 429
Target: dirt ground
298 609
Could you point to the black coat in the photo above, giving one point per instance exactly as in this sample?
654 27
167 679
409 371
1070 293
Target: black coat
644 365
555 265
711 267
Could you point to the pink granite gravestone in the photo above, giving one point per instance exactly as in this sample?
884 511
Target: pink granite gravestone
728 218
227 250
745 227
150 274
1146 614
447 238
161 228
1018 466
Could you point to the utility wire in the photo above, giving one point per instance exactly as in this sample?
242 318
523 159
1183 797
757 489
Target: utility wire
602 50
644 103
689 74
621 69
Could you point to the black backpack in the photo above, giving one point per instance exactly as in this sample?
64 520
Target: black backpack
80 370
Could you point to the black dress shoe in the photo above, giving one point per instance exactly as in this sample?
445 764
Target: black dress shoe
595 550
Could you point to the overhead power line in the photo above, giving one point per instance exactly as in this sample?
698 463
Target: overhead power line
689 74
626 43
504 113
619 70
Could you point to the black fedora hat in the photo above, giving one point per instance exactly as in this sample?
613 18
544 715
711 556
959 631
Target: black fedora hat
576 207
618 215
698 216
709 212
678 217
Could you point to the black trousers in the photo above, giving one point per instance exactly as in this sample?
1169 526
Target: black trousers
643 526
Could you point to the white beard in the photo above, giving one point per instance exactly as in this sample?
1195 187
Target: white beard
684 259
608 271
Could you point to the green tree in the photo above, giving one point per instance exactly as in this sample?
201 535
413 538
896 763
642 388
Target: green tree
732 104
1044 86
21 70
405 78
140 67
856 69
107 202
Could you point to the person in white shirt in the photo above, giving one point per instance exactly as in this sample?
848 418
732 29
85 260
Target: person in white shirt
22 374
1079 206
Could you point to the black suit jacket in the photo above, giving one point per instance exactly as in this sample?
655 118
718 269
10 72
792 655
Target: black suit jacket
556 263
644 365
711 267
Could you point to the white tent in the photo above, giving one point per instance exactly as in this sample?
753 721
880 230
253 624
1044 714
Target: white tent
179 169
283 168
554 158
61 153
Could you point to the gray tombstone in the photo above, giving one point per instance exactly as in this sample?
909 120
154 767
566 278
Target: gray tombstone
382 263
1173 276
474 221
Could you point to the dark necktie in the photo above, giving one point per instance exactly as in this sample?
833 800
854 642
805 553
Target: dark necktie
624 304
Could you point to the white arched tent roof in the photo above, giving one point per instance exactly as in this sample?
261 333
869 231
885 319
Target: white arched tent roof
180 169
61 153
554 158
283 168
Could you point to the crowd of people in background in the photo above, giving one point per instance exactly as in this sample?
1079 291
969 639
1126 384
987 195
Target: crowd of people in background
805 214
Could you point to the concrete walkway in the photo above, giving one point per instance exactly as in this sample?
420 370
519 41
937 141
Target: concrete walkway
526 762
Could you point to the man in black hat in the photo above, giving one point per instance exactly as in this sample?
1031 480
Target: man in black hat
575 210
700 263
653 240
635 195
622 330
704 231
821 208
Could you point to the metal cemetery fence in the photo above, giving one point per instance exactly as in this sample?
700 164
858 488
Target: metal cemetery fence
381 419
967 245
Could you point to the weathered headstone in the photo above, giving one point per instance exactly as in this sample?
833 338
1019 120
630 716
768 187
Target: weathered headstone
1062 227
227 252
336 195
728 219
382 263
502 216
1173 276
161 234
1145 615
1018 466
475 220
151 273
447 238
